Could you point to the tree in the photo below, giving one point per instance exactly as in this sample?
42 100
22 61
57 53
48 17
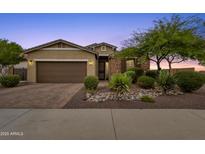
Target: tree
184 38
174 40
201 57
132 53
189 48
10 54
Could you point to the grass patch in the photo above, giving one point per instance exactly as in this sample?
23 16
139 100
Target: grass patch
147 99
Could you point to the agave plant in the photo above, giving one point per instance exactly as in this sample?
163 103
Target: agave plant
165 80
120 83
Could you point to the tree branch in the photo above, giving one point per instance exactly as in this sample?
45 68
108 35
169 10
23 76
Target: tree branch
178 61
152 60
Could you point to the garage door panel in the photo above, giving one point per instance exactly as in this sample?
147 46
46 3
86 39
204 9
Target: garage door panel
61 72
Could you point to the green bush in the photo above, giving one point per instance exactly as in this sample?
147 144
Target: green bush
130 74
152 73
91 83
203 77
146 82
120 83
138 72
147 98
189 81
9 80
165 80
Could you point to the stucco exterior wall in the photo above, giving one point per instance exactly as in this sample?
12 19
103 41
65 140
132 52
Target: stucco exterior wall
109 50
59 54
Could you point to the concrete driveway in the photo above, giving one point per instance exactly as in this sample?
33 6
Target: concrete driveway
38 95
102 124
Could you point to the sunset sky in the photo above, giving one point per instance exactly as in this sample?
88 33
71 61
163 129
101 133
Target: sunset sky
33 29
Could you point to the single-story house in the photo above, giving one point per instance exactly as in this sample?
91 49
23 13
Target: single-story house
61 61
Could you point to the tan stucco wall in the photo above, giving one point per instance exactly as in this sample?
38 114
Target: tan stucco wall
57 54
109 50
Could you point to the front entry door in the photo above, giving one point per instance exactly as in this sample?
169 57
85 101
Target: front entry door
101 70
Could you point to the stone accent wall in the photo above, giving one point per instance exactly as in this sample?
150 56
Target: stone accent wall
114 66
146 65
117 65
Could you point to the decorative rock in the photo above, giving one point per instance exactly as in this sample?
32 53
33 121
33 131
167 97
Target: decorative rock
174 92
134 94
88 95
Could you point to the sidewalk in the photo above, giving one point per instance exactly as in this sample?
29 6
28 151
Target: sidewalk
102 124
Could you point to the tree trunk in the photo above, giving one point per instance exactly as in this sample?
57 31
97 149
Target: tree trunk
170 67
158 66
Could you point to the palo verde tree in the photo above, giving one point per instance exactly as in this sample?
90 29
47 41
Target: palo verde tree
201 55
183 38
174 40
10 54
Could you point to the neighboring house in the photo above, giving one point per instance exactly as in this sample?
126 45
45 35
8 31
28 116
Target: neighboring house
21 70
61 61
17 69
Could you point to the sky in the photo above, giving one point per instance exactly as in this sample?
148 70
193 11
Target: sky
30 30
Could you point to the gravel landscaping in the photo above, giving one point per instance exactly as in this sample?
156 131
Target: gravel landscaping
104 98
104 94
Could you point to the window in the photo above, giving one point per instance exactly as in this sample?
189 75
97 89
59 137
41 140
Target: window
103 48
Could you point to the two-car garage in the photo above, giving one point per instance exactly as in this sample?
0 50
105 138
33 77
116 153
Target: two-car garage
60 61
61 72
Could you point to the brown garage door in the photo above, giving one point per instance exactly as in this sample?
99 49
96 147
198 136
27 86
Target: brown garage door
61 72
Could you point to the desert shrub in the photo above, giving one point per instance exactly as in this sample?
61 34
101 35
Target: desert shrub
146 82
203 77
138 72
9 80
189 81
152 73
130 74
120 83
91 83
147 98
165 80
